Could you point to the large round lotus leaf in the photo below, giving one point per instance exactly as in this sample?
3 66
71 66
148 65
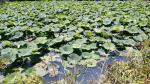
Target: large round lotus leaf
67 49
70 28
79 30
130 42
45 28
101 52
68 38
107 21
55 29
109 46
82 62
93 46
132 30
32 46
92 39
83 40
24 52
143 21
19 43
86 55
51 42
91 62
106 34
74 58
40 40
78 35
89 33
17 35
141 37
6 43
84 25
86 46
101 39
117 28
56 34
76 45
118 41
58 39
95 55
9 53
97 30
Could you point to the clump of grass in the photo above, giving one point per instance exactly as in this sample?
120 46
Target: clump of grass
27 77
135 71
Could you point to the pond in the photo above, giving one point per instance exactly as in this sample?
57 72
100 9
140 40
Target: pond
84 74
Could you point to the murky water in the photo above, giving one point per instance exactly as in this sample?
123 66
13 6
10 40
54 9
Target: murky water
82 74
86 74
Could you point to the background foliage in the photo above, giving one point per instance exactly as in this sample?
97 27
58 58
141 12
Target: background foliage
80 32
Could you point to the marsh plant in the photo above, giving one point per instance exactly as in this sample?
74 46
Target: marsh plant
81 36
135 71
23 77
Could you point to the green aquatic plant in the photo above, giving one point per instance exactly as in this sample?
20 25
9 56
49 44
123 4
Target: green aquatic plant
32 29
135 70
27 77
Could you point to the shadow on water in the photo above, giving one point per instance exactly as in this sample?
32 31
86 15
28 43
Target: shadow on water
86 74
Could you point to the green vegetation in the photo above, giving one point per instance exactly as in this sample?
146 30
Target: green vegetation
135 71
81 32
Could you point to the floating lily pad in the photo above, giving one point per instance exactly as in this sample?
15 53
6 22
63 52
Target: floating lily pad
24 52
17 35
117 28
107 21
67 49
9 53
74 58
109 46
40 40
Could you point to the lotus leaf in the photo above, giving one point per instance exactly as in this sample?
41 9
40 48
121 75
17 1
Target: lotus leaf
109 46
91 62
9 53
16 35
141 37
86 55
40 40
24 52
67 49
6 43
74 58
117 28
107 21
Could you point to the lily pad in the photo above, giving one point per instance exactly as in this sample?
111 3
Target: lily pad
9 53
74 58
107 21
86 55
117 28
24 52
67 49
40 40
109 46
17 35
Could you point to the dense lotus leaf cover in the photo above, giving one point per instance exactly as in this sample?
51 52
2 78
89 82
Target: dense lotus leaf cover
80 31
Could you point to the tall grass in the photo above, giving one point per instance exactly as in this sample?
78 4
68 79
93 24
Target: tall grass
135 71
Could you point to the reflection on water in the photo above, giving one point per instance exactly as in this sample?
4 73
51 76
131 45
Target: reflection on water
86 74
